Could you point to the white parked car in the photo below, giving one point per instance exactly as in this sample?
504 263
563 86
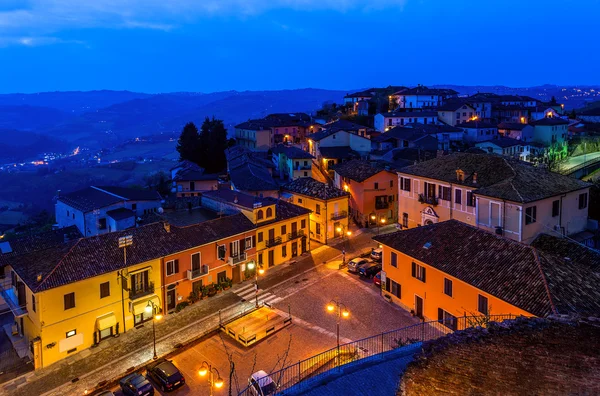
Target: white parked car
356 263
376 254
261 384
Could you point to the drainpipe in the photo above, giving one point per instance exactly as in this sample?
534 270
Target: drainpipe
326 224
451 199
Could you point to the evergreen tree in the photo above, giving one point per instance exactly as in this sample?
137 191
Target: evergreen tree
212 143
553 101
573 115
187 145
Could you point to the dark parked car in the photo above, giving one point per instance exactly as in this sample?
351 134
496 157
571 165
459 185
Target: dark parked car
356 263
377 279
136 385
369 271
164 373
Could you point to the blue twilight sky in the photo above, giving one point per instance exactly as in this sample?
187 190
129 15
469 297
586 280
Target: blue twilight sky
213 45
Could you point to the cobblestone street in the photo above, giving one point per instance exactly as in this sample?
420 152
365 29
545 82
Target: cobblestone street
132 349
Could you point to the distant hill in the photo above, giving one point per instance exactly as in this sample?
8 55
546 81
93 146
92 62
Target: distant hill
17 146
27 118
71 102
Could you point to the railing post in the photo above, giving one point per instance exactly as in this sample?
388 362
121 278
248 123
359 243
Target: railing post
382 343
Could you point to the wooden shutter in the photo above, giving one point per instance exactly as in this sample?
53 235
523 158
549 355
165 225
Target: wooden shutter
176 265
254 240
440 314
242 245
414 269
424 272
230 248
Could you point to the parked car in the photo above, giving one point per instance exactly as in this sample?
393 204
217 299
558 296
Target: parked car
376 254
136 385
370 270
104 393
260 384
164 373
355 264
377 279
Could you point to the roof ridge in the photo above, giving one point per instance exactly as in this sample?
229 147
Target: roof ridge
510 180
59 263
539 265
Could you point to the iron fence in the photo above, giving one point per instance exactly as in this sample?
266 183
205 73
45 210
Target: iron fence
366 349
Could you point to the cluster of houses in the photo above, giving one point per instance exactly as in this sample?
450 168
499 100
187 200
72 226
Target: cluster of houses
477 225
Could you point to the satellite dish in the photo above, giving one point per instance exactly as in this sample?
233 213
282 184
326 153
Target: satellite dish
160 210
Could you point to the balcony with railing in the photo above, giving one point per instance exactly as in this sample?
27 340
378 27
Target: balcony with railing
295 235
197 273
428 200
339 215
144 290
273 242
235 260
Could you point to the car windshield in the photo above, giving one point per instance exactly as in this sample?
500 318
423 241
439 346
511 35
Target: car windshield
269 389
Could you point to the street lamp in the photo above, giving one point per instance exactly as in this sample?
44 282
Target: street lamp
252 265
154 310
347 233
379 223
342 312
207 368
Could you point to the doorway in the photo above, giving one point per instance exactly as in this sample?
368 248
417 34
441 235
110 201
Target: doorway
171 300
271 258
418 306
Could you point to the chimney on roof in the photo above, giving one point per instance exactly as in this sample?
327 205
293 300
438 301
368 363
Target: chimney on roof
235 199
167 226
38 277
474 177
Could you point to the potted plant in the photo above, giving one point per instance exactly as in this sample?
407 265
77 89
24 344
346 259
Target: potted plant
219 288
194 296
212 290
226 283
203 292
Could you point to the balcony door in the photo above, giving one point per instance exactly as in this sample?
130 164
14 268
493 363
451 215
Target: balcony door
139 282
196 267
418 306
235 248
271 258
294 228
171 301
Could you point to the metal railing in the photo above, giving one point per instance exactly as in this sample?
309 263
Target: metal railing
430 200
146 290
197 273
339 215
273 242
295 235
234 260
382 205
369 348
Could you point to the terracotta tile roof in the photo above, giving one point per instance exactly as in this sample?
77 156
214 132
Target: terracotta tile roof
497 176
313 188
252 177
338 152
533 281
504 142
475 124
360 170
422 90
284 210
513 126
526 357
410 114
88 257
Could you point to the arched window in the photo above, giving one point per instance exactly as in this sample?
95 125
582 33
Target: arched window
269 212
259 215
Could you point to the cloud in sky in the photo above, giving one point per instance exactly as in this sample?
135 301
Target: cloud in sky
27 17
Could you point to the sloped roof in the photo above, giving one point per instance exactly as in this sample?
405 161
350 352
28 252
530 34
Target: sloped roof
291 152
515 126
549 122
338 152
88 199
410 114
503 142
360 170
401 133
120 213
454 105
252 177
497 176
336 126
423 90
511 271
84 258
313 188
476 124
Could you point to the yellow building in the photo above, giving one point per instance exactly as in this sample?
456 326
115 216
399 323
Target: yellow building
450 269
328 206
281 227
73 295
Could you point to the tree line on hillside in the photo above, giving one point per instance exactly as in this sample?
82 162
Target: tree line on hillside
206 147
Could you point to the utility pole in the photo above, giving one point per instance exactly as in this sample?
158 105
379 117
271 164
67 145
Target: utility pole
123 243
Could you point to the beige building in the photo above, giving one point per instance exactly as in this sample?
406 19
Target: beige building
501 195
455 113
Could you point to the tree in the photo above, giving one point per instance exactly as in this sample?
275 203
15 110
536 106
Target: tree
573 115
212 143
553 101
187 145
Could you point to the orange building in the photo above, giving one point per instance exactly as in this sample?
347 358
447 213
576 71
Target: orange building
450 269
207 253
373 191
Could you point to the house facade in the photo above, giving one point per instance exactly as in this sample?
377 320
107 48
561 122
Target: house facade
386 121
550 131
485 275
478 131
291 162
373 191
98 210
329 207
472 188
422 97
455 113
519 131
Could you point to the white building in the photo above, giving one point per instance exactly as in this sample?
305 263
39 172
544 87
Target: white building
386 121
421 96
98 210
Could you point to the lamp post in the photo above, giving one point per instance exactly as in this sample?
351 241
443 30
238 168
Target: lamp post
379 220
342 312
207 368
342 230
260 270
123 243
154 310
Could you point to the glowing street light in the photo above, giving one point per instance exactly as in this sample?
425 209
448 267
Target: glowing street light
153 309
342 312
252 265
207 368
